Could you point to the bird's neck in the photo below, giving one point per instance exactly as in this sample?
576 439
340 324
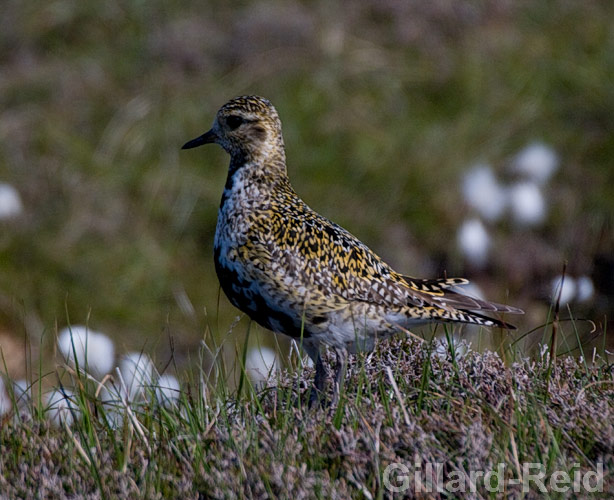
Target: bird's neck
263 155
260 166
256 177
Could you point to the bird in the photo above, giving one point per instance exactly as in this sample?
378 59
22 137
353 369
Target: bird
295 272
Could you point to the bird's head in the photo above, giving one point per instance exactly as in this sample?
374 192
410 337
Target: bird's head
247 127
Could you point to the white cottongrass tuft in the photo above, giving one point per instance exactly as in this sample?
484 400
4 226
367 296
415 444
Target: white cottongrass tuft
585 289
527 204
5 401
94 351
113 406
168 390
473 241
568 291
62 407
22 392
137 371
537 162
10 201
483 193
260 365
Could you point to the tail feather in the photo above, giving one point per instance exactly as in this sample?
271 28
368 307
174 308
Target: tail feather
434 286
438 291
480 319
460 301
450 305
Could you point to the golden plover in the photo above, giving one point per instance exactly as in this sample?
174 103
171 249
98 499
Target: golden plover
297 273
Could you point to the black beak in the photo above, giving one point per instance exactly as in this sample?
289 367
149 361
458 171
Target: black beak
206 138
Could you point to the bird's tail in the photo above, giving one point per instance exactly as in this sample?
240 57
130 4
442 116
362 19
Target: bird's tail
442 303
449 315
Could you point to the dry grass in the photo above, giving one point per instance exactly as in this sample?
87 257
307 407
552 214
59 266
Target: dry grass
466 412
385 104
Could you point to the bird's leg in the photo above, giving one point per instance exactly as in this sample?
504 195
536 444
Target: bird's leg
316 393
342 358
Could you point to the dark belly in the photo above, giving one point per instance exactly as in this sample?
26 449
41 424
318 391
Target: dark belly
241 295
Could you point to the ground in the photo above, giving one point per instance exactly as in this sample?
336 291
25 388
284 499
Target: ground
408 403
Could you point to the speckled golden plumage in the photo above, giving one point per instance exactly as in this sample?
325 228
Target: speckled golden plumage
296 272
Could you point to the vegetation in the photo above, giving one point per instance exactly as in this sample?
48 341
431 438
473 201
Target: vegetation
385 106
408 402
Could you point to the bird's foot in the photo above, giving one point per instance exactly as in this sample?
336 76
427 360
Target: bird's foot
317 398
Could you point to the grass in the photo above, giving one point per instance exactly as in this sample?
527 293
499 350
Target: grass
384 108
385 105
407 402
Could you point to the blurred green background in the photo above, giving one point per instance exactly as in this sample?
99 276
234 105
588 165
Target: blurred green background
385 105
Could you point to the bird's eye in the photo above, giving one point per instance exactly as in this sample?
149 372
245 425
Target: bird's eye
233 121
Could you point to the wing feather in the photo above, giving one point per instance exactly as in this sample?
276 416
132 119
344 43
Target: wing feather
310 254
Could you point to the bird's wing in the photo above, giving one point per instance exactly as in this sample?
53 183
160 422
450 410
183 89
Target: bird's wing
315 260
306 253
